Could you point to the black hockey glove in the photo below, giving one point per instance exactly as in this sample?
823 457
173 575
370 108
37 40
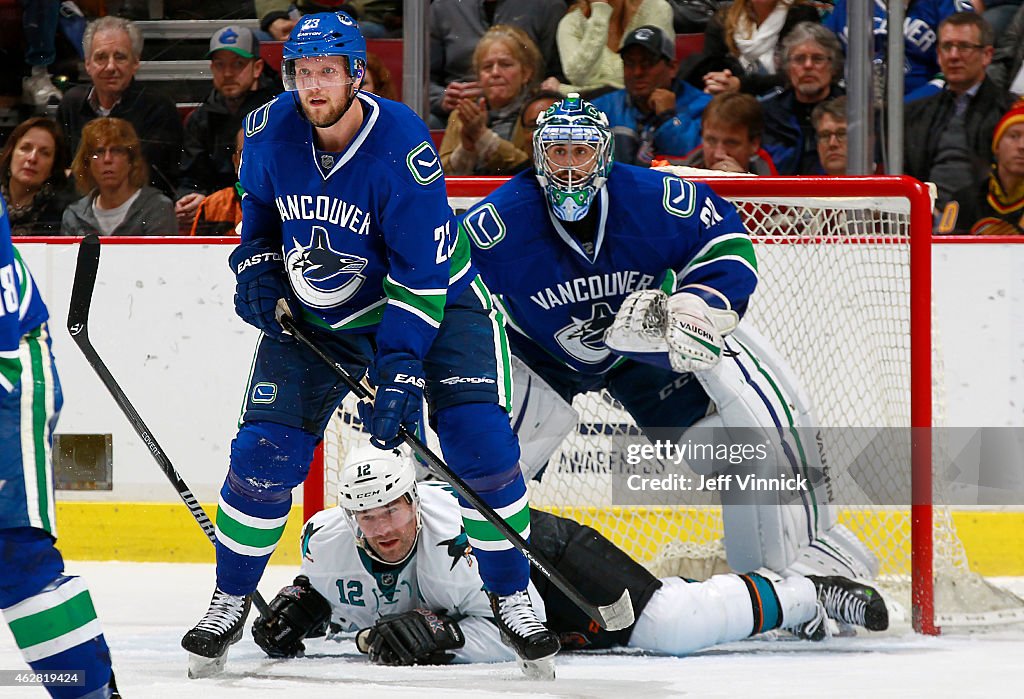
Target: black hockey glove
419 637
296 613
260 282
399 401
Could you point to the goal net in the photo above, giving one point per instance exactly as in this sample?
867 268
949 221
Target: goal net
844 296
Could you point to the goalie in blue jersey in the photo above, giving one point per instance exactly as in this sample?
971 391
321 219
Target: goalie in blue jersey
632 280
346 224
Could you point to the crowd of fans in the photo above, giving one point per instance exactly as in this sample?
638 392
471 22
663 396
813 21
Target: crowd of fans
765 96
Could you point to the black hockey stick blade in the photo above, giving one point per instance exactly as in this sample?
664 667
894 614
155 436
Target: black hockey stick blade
78 325
613 617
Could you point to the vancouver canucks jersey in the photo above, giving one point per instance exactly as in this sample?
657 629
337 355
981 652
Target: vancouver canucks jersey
442 575
21 307
367 234
653 229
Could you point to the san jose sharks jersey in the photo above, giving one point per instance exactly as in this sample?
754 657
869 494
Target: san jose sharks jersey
652 229
21 307
367 234
441 575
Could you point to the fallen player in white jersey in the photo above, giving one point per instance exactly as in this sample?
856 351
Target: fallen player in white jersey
392 563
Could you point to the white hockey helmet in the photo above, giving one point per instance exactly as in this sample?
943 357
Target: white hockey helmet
374 478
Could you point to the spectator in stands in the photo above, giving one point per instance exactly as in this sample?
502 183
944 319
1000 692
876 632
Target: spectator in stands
813 61
536 102
39 25
741 46
948 136
113 47
998 13
655 113
379 19
278 17
829 121
221 212
377 78
32 177
996 205
456 27
731 129
590 36
1007 67
239 86
484 136
922 76
110 169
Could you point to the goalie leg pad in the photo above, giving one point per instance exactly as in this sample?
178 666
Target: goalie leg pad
478 442
541 418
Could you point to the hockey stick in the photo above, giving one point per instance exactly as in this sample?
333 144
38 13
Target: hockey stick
613 617
78 326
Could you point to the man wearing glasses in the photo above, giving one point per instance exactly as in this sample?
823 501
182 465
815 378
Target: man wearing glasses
949 136
813 62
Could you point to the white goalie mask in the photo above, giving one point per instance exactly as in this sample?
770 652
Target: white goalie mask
572 155
377 491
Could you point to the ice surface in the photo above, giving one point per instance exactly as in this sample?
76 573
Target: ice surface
146 607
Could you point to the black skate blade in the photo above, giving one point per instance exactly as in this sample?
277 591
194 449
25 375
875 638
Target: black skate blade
200 667
542 669
618 615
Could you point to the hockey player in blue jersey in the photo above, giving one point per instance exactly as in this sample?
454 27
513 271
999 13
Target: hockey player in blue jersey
632 280
345 222
50 614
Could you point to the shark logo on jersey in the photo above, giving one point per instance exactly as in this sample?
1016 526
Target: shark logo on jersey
459 548
321 276
307 534
584 339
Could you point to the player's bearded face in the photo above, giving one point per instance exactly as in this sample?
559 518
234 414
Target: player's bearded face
390 530
570 163
324 88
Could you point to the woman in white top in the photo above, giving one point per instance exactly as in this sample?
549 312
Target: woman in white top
110 169
589 38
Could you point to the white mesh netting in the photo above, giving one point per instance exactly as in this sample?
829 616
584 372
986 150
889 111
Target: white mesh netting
834 299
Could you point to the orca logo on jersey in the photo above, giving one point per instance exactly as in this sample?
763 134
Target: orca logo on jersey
321 276
584 339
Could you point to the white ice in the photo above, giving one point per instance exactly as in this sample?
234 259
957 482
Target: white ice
146 607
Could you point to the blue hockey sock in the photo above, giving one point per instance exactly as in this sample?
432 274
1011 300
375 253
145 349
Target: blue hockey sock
481 449
247 534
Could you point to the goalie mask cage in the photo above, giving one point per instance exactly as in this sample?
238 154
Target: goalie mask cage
845 297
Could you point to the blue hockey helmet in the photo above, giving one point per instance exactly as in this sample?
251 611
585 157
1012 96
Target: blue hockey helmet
320 35
572 155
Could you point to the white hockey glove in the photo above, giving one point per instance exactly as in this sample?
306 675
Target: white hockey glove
695 343
638 331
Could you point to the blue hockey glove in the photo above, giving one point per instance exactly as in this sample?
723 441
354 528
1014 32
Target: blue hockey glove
399 401
260 283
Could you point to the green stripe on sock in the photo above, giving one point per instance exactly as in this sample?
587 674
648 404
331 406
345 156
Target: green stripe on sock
54 622
485 531
246 535
39 389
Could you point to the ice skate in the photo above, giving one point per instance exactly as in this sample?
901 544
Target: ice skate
846 602
221 626
534 645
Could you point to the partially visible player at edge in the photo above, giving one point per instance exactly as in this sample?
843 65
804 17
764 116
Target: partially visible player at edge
345 220
623 278
391 563
50 614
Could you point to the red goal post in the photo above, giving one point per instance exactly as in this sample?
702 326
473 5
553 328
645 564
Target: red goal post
766 205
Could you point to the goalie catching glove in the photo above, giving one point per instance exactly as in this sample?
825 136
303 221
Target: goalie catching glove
675 332
418 637
296 613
